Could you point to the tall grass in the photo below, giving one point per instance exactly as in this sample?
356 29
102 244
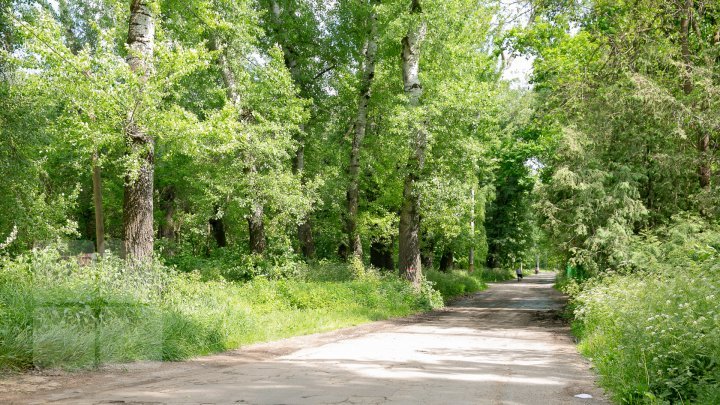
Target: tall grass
653 329
56 313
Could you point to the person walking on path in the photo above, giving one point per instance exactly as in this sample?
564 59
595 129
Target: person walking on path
519 273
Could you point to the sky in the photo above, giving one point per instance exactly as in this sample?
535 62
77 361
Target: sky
518 68
518 71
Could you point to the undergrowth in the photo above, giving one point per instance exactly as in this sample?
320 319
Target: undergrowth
498 274
652 328
57 313
455 283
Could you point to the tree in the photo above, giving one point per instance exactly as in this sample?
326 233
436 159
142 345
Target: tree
409 256
627 98
359 131
138 232
297 55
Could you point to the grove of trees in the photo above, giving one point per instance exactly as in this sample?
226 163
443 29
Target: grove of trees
246 139
289 130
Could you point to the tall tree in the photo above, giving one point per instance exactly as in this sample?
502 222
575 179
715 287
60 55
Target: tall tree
255 218
687 13
359 130
292 56
138 193
409 254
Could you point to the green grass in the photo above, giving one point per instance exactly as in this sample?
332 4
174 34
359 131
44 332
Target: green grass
54 313
495 275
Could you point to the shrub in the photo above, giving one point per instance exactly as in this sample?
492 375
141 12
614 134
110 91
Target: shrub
56 313
496 274
654 332
455 283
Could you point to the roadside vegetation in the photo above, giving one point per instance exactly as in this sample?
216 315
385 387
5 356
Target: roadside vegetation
652 326
628 198
55 312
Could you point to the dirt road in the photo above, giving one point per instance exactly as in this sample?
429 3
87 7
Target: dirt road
501 346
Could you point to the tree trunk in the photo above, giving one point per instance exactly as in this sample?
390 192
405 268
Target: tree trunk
167 228
685 46
226 72
304 230
98 205
409 255
703 136
381 255
353 191
447 261
138 193
427 251
256 226
217 227
257 229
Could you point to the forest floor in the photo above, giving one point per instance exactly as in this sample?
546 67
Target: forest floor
505 345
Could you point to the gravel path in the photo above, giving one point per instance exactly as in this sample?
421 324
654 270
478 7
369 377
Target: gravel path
504 345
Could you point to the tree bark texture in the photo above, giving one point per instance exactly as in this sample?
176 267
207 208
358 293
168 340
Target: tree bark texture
360 129
409 255
138 193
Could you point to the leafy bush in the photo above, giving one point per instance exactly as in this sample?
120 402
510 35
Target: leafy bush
455 283
233 265
653 329
497 274
57 313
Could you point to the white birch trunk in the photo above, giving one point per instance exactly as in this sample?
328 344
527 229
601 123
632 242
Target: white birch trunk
409 255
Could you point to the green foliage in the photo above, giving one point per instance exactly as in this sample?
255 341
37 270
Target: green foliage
237 265
624 90
497 274
455 283
55 312
623 122
653 333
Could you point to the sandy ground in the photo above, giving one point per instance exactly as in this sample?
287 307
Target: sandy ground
501 346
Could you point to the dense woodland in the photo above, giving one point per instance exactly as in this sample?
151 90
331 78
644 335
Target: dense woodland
180 177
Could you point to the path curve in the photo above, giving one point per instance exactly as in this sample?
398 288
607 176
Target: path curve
504 345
